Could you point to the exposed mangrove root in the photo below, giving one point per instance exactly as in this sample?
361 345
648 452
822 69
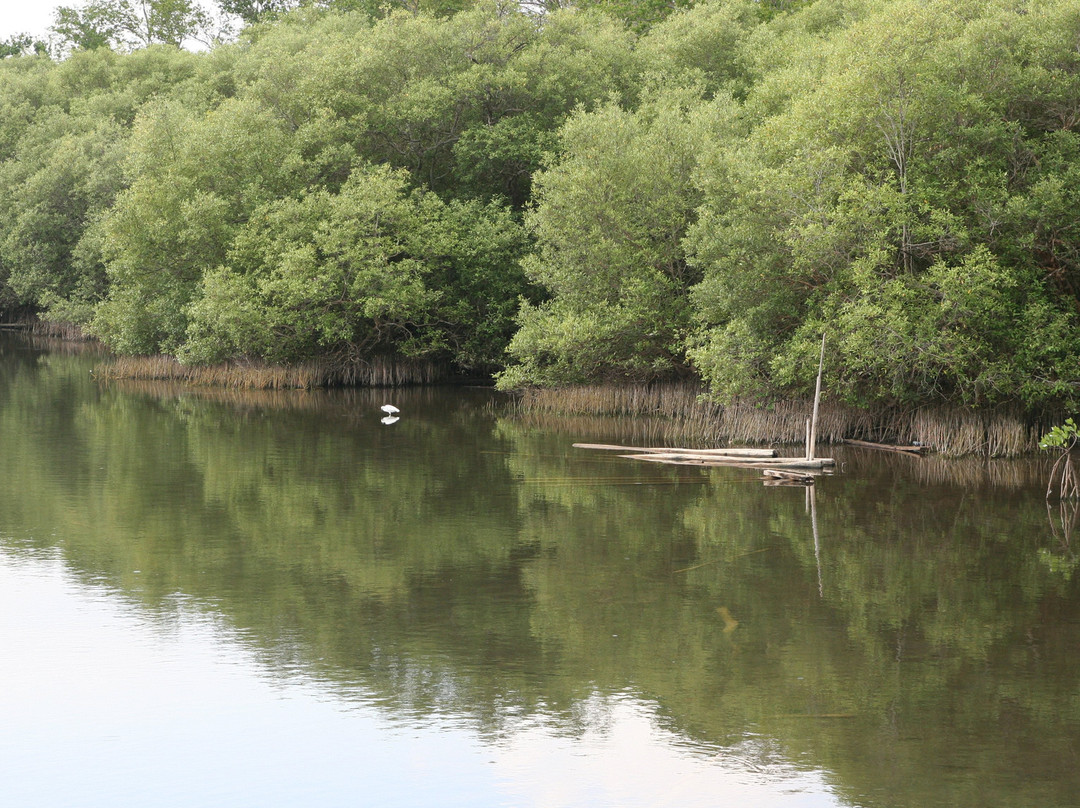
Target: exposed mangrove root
680 412
1064 474
1064 438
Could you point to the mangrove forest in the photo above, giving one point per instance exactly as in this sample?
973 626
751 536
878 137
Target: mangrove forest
553 194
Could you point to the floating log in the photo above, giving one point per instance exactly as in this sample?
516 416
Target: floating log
675 454
742 462
885 447
728 452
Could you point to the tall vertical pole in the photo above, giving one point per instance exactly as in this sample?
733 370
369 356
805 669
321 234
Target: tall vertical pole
817 400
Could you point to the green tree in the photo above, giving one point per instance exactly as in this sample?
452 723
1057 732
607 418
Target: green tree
707 44
610 217
463 106
374 269
466 104
198 177
639 15
74 180
99 24
69 123
252 11
131 23
21 45
881 204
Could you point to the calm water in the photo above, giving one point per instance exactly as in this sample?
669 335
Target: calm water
276 600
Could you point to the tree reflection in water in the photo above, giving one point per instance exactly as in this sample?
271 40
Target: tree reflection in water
909 633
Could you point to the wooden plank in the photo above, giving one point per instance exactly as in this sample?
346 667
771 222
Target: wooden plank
728 452
885 447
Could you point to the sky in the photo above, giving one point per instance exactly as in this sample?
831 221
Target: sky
28 16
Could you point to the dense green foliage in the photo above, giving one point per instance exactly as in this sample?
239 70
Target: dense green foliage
613 191
911 201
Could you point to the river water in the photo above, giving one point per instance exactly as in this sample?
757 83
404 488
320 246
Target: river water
212 598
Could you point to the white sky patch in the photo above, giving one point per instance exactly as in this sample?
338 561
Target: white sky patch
27 16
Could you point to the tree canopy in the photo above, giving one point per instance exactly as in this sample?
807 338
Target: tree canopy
565 193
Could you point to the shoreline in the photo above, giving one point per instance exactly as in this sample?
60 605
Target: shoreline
668 411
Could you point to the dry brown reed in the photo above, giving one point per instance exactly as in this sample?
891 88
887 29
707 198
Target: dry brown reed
960 431
250 375
680 412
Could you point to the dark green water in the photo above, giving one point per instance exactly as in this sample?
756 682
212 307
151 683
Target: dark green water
224 599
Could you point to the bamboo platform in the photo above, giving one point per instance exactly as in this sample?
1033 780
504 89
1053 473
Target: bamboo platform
697 459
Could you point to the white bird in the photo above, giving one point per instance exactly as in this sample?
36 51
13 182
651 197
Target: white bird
389 409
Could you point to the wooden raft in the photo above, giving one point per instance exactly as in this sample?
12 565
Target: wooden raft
746 458
696 459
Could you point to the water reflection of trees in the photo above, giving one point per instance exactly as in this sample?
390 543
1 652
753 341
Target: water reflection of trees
461 562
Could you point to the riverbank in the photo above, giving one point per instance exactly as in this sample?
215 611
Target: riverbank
671 413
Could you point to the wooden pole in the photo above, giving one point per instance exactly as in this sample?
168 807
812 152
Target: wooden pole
817 400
